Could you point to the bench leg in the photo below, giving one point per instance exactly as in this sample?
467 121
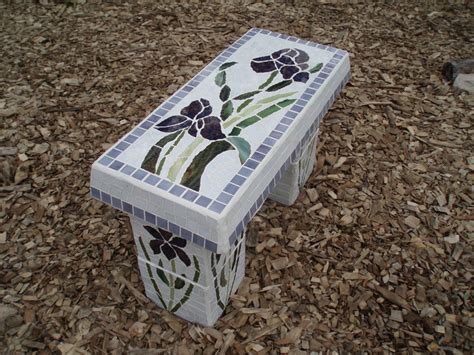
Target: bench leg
293 179
184 278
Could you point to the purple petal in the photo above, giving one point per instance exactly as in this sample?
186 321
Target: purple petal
212 128
263 67
262 59
182 255
206 109
155 233
168 251
288 71
303 66
173 124
197 108
165 234
301 77
279 53
178 242
193 130
155 245
302 57
286 60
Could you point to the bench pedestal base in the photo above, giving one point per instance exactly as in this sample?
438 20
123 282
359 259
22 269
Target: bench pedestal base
185 279
293 179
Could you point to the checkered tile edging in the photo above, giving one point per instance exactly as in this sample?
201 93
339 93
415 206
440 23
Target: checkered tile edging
202 241
111 157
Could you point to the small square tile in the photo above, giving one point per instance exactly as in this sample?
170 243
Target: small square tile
122 146
203 201
174 228
231 189
150 218
105 161
152 179
162 223
114 153
186 234
164 185
198 240
140 174
130 138
177 190
211 246
238 180
138 212
153 118
244 171
217 207
127 207
106 198
116 203
224 197
138 131
95 193
116 165
190 195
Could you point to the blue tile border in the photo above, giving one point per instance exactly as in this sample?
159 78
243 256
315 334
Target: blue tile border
109 159
220 202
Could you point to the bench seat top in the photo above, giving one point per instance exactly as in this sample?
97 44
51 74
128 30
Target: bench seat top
203 162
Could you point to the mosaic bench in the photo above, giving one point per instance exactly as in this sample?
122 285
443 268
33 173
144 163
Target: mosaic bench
194 172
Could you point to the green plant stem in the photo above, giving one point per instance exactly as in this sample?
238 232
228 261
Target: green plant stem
178 164
150 273
170 149
173 269
230 121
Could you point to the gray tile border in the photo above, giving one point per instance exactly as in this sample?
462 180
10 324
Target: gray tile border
218 205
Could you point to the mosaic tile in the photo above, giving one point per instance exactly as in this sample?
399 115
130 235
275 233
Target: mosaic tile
201 129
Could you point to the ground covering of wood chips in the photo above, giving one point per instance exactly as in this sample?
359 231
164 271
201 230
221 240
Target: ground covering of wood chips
375 255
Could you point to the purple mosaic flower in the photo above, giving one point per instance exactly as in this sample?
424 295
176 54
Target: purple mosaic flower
197 119
291 63
168 244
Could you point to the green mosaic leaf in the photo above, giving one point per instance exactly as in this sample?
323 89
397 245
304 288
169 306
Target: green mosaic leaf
226 65
225 92
190 288
149 163
279 85
316 68
269 80
235 131
246 95
227 110
268 111
192 175
244 104
161 274
220 78
242 146
248 121
222 279
179 282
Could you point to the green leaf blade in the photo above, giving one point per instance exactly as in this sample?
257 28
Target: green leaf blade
220 78
279 85
226 65
247 95
227 110
225 93
242 146
316 68
192 176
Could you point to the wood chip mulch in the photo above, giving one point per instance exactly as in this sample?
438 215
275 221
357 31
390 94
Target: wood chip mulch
377 253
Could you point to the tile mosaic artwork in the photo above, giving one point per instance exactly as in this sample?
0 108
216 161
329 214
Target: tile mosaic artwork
210 155
185 279
195 171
